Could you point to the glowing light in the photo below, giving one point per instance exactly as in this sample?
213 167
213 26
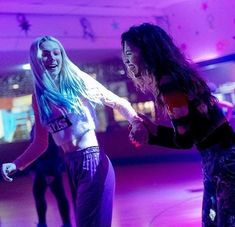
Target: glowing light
121 72
210 67
205 57
26 67
15 86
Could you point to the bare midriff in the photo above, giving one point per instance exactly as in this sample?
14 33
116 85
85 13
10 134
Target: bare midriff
87 140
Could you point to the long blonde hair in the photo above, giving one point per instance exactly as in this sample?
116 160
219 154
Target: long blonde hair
72 88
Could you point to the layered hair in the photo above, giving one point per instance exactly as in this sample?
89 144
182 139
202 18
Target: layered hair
72 88
161 57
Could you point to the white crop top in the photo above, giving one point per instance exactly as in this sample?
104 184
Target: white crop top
66 127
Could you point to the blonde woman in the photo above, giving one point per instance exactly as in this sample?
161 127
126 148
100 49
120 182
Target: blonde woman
63 101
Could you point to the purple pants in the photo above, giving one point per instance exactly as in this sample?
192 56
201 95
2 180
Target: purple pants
93 183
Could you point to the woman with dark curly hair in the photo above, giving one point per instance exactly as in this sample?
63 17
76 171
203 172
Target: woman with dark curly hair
155 64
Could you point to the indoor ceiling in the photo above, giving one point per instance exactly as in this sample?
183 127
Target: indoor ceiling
87 7
14 51
204 29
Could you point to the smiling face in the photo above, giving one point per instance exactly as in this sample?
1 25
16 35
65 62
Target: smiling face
134 63
132 59
51 57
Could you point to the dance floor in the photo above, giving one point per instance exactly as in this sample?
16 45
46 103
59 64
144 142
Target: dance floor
160 194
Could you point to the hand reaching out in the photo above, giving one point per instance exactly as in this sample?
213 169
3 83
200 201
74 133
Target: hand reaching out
8 169
138 133
140 130
152 127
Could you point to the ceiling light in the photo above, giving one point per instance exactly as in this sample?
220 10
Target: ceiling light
26 66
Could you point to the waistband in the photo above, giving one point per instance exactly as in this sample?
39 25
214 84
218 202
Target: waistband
80 153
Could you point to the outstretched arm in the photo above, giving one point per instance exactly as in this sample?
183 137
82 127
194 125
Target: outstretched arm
176 104
34 150
108 98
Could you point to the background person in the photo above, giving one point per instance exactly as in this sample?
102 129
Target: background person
48 172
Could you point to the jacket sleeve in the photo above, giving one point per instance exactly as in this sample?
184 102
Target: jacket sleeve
166 137
177 107
38 145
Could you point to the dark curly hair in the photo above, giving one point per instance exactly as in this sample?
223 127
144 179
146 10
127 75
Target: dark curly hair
162 57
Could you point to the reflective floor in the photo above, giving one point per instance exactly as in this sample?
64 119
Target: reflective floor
164 194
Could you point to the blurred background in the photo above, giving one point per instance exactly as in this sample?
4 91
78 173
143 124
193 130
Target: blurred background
90 32
155 186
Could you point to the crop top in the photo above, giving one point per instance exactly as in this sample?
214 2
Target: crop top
66 126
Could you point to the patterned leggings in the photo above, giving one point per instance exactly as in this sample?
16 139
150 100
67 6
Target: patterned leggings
219 187
93 183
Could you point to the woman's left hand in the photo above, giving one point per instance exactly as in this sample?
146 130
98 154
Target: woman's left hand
138 133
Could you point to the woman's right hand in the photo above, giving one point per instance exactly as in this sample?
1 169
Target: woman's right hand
8 169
